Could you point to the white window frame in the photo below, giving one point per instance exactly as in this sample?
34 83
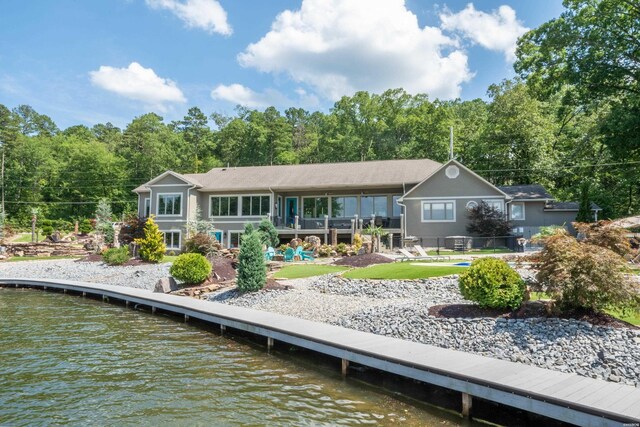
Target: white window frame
490 202
164 238
229 233
339 196
511 211
324 196
168 194
241 196
373 196
424 202
146 207
211 196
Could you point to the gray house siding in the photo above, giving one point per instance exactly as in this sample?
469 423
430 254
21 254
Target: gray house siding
537 216
141 203
459 190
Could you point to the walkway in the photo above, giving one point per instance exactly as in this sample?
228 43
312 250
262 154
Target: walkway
566 397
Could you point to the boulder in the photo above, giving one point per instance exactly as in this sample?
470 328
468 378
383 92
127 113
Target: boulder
314 240
166 285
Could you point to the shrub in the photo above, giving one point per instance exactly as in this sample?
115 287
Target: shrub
605 235
191 268
46 227
152 247
132 228
202 244
357 242
583 275
269 234
492 284
252 270
85 226
325 250
63 226
116 256
342 248
487 221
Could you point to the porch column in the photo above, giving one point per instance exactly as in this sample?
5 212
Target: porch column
402 230
353 229
326 229
295 226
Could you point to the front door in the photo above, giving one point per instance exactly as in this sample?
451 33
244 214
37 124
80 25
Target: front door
291 210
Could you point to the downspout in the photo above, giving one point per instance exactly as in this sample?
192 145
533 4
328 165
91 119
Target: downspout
403 228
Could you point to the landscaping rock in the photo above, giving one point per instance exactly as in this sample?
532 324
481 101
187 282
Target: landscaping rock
314 240
166 285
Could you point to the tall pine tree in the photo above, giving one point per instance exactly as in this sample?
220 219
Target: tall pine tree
252 271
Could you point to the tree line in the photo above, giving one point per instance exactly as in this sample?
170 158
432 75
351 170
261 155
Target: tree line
570 120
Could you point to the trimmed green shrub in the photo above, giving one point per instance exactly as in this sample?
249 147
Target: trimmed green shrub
116 256
252 270
191 268
492 284
46 227
152 247
342 248
202 244
85 226
269 234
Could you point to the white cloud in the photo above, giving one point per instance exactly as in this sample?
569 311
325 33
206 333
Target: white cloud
498 30
338 47
138 83
242 95
207 15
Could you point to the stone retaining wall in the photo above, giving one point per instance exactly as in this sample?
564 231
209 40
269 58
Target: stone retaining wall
45 249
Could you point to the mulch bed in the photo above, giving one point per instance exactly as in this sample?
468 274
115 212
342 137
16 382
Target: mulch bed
528 310
223 270
363 260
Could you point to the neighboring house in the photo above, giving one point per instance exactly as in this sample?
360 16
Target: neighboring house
419 198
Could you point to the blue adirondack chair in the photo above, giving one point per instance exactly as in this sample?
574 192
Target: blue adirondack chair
268 255
289 254
304 255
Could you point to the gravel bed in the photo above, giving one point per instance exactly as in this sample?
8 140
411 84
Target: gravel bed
559 344
142 276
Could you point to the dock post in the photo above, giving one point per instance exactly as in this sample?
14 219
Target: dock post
153 310
84 294
222 329
345 366
64 291
105 298
467 403
186 318
126 303
269 343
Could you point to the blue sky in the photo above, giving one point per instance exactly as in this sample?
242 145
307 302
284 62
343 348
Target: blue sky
88 62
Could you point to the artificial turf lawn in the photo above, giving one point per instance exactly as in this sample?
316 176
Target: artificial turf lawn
402 270
299 271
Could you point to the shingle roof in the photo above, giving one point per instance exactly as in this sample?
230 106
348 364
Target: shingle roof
568 206
530 192
381 173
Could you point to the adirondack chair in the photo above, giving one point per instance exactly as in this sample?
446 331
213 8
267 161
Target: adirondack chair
304 255
408 256
289 253
268 255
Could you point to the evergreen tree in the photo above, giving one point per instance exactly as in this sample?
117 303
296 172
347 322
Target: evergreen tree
104 225
584 210
268 233
252 271
152 247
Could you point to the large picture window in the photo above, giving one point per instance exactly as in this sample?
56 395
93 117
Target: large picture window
517 211
172 239
315 207
344 207
255 205
495 204
224 206
170 204
373 205
438 211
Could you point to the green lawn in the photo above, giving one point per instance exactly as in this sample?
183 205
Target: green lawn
402 270
483 251
26 238
169 258
299 271
38 258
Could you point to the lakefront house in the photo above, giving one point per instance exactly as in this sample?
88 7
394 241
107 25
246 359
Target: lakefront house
413 200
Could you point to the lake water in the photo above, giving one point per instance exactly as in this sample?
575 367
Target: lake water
66 360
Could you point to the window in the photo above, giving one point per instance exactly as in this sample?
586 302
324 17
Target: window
223 206
172 239
170 204
234 239
438 211
146 211
373 205
472 205
315 207
397 209
255 205
344 207
517 211
495 204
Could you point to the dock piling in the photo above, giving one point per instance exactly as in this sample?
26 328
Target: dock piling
269 343
467 403
345 366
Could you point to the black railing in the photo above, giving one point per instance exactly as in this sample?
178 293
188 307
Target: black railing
464 244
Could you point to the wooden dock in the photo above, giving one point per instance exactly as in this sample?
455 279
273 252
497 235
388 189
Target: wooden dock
566 397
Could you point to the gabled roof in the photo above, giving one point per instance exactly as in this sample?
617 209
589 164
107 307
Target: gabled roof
460 165
185 178
381 173
568 206
527 192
